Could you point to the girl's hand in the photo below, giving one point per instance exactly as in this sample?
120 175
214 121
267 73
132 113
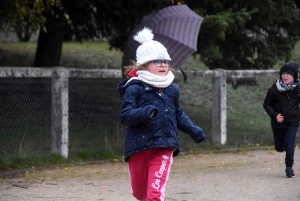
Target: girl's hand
279 118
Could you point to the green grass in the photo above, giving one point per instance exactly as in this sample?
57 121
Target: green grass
19 151
78 55
7 164
93 55
74 55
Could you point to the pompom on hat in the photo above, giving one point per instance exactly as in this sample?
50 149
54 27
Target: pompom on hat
149 49
291 68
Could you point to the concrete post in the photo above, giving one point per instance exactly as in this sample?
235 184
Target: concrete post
219 107
60 112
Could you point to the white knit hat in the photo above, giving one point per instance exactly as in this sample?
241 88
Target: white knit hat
150 49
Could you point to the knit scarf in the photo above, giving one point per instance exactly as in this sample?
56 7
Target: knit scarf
286 87
154 80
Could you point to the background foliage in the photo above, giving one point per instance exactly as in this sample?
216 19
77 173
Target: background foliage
235 34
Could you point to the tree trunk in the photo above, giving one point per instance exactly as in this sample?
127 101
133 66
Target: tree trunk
49 45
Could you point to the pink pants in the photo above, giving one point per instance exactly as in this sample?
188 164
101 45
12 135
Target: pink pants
149 172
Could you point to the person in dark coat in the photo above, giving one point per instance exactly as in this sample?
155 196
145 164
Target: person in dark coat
282 105
152 115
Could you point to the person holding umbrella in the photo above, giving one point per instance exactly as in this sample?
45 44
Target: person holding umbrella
282 105
152 115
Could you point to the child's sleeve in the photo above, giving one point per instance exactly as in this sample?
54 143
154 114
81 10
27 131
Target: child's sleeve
131 113
268 105
186 125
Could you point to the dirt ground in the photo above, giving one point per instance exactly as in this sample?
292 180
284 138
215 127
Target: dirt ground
245 176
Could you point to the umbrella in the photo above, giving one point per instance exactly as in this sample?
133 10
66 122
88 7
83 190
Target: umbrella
176 27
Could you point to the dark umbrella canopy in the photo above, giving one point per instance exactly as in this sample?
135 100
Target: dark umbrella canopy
176 27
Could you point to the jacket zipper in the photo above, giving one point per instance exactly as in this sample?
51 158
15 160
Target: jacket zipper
288 96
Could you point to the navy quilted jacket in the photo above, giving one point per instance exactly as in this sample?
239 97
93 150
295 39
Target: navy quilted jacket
144 131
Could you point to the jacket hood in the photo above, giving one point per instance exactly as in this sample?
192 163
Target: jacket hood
122 85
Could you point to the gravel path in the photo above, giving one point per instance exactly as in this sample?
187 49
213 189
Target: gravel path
244 176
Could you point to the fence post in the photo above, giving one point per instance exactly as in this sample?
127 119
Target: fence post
60 112
219 107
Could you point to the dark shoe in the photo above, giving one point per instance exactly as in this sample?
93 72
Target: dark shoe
289 172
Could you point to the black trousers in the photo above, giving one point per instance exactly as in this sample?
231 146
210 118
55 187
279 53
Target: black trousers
285 141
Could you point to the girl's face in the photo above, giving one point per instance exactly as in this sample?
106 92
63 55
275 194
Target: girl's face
159 67
287 78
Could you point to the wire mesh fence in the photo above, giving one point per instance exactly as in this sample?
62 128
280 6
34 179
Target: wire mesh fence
94 107
25 116
247 121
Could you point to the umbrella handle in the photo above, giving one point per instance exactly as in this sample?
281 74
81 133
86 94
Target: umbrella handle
184 75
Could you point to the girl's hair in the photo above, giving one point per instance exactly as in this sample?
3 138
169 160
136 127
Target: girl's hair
136 67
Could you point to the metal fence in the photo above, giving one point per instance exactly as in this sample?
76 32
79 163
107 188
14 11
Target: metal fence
72 111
